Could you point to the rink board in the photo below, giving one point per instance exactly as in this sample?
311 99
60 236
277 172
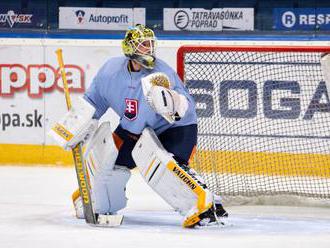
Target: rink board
32 100
255 163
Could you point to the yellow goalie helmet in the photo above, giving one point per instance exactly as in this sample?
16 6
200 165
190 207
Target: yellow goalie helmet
139 45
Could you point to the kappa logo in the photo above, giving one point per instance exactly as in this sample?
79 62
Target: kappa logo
181 19
38 79
80 14
11 18
131 110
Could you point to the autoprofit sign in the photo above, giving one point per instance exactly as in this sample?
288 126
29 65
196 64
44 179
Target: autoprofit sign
100 18
302 18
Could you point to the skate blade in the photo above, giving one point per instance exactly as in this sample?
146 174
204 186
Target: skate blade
221 223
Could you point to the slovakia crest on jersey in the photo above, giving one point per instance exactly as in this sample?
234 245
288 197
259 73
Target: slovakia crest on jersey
131 109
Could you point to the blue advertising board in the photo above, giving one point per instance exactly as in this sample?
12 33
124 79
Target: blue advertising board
301 18
15 18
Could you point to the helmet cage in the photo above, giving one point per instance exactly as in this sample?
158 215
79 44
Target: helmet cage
139 45
143 46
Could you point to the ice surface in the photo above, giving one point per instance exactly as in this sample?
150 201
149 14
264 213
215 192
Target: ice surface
36 212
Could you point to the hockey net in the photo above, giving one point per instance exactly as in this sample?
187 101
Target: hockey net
263 119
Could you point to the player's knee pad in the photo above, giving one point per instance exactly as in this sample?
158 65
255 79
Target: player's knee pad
178 185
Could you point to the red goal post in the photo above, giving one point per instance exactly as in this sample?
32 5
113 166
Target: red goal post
217 48
263 117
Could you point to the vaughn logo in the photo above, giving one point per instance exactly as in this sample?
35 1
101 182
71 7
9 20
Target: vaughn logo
11 18
80 14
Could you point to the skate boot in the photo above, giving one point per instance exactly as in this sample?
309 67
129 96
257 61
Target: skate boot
219 210
213 216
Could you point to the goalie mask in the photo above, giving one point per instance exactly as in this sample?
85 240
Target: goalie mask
139 45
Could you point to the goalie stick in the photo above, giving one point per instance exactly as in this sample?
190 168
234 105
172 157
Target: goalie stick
81 170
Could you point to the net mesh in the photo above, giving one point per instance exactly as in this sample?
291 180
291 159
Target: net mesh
263 120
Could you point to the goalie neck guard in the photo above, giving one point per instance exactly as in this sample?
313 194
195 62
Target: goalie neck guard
139 45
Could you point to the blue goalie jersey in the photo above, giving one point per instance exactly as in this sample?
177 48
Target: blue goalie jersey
116 87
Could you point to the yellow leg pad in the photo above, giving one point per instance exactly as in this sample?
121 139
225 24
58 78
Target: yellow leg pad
180 187
203 203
